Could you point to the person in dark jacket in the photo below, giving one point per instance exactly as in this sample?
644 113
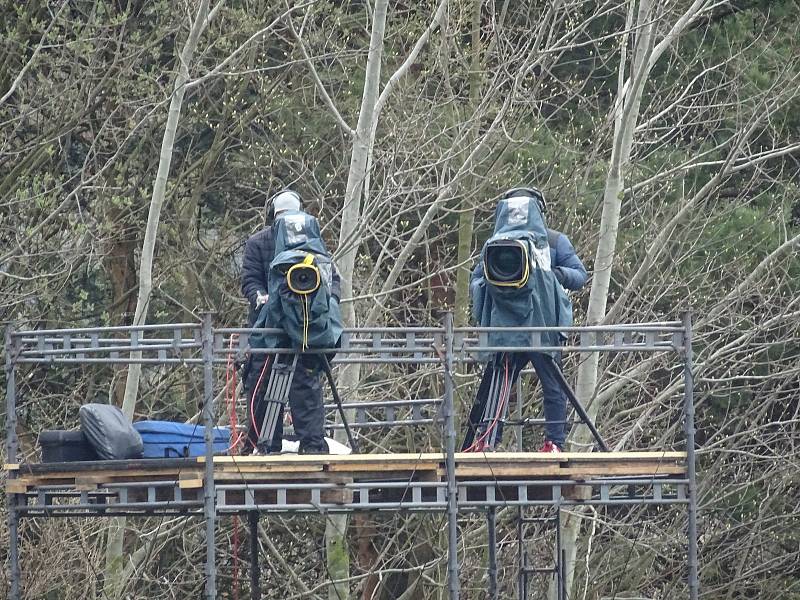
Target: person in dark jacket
305 396
571 274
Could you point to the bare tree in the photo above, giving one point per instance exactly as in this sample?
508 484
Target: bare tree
115 583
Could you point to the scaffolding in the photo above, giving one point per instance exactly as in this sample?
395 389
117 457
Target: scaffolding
445 481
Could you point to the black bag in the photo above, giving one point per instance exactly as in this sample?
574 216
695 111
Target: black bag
109 432
65 446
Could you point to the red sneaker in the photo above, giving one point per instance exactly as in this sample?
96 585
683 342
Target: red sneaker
550 448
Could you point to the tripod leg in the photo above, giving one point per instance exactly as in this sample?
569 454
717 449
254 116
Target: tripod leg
573 399
276 397
502 398
326 366
269 424
490 406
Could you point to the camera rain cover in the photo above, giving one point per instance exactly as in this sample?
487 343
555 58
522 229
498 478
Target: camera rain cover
308 320
296 230
518 287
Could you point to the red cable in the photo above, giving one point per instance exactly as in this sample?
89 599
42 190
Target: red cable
477 445
504 395
230 389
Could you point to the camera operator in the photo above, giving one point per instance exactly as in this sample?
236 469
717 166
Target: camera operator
305 395
543 308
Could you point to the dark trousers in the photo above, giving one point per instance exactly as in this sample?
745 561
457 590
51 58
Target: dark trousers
554 399
305 403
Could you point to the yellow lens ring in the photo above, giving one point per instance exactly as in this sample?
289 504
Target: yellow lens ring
521 282
307 264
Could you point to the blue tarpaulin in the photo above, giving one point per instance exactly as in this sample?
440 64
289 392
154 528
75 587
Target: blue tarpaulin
167 439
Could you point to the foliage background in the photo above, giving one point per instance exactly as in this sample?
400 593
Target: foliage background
79 147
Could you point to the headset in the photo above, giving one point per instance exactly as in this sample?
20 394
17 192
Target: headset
269 205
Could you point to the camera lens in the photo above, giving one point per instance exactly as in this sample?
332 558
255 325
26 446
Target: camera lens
506 262
303 279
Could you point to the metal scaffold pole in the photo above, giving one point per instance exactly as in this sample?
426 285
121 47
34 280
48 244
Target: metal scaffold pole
450 461
560 556
522 577
522 563
209 495
255 574
491 526
688 396
12 445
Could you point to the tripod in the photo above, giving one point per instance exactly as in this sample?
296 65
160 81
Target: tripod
276 396
503 375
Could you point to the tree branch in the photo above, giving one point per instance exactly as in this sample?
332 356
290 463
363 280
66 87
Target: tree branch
319 85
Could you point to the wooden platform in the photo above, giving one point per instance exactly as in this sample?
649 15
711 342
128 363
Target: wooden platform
189 473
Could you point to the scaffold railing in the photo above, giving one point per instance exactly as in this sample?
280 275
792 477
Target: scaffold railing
437 349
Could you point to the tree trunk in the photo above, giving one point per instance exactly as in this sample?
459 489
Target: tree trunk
114 579
626 115
466 219
336 525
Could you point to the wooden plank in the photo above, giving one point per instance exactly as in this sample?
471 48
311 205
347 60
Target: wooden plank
115 474
31 482
89 482
328 459
267 468
509 457
498 471
230 477
622 471
148 464
568 456
377 467
390 466
17 486
190 484
623 456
